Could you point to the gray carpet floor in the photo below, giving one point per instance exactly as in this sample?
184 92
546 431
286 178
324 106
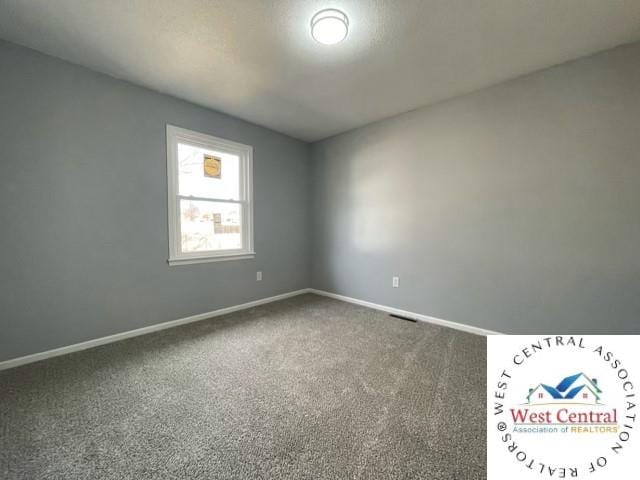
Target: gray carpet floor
304 388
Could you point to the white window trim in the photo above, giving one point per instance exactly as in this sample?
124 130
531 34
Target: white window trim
245 153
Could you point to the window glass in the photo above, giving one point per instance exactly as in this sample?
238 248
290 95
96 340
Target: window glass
207 226
208 173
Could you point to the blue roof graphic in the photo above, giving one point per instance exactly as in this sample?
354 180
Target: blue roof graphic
574 391
567 382
552 391
563 390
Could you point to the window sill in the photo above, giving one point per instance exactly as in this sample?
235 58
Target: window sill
212 258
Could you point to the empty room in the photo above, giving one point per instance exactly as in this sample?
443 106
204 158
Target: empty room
260 239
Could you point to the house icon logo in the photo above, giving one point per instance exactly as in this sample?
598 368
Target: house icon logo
574 389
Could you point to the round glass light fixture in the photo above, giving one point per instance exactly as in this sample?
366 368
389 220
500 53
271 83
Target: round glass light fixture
329 26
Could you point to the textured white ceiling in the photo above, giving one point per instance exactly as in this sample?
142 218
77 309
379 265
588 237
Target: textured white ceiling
255 59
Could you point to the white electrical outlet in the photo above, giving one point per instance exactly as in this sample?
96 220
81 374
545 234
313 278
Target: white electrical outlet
396 282
258 276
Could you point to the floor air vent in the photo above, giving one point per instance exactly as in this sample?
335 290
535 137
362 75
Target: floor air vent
403 318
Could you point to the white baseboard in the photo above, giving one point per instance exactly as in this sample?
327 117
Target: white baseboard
404 313
16 362
36 357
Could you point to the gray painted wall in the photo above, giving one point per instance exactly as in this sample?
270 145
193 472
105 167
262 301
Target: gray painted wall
516 208
83 208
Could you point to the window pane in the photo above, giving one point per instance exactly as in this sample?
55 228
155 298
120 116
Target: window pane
210 226
207 173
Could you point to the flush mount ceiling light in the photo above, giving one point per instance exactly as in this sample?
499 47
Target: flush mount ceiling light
329 26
